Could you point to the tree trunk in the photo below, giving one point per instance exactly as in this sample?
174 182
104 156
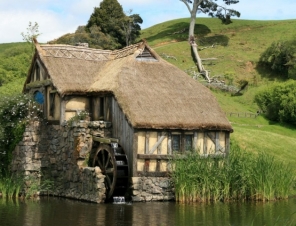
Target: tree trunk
193 44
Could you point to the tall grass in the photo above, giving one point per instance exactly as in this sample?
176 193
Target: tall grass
240 176
10 186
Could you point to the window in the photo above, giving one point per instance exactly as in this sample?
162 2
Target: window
188 142
51 104
39 97
176 142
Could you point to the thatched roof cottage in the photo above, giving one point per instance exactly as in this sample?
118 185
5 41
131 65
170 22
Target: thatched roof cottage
154 108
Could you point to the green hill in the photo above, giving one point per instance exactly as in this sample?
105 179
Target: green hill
236 48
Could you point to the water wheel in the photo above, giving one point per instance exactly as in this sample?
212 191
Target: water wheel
114 165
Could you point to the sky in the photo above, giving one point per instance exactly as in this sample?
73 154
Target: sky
58 17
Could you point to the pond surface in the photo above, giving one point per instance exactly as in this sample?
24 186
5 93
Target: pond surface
51 211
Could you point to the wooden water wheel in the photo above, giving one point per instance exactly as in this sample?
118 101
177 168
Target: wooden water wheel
114 165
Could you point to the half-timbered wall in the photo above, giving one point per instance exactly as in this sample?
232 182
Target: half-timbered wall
154 148
74 105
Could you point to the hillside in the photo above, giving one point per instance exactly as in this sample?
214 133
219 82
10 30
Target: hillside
237 48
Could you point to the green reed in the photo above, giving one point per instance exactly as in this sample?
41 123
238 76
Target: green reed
240 176
10 186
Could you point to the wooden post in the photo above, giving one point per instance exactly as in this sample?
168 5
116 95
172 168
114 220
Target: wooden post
169 143
217 142
63 111
227 143
134 162
205 146
195 140
147 143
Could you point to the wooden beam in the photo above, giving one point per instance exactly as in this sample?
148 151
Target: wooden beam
38 84
147 142
205 145
154 157
216 141
155 146
159 146
105 140
152 174
195 140
169 144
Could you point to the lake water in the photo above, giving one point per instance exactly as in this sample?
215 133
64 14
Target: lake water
51 211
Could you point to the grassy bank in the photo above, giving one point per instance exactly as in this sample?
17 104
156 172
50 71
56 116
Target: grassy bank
241 176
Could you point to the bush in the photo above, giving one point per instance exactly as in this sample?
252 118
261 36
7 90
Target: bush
278 102
280 57
15 113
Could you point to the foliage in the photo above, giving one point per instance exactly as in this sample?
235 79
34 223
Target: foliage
132 28
280 57
278 102
81 115
15 113
14 62
34 185
32 34
107 28
10 186
108 17
214 10
240 176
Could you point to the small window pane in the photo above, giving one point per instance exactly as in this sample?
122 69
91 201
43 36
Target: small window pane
176 142
188 142
39 97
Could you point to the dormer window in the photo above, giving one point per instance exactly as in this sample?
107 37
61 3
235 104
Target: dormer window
146 56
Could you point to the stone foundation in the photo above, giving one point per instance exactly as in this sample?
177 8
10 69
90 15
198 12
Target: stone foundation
145 189
61 153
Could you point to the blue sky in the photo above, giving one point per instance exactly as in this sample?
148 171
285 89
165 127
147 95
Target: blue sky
58 17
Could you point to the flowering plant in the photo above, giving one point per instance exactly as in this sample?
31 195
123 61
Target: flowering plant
15 113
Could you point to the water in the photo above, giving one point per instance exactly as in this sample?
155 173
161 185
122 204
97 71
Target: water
50 211
118 200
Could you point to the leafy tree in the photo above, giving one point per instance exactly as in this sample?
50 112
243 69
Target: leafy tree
131 27
108 17
211 8
110 20
278 102
280 57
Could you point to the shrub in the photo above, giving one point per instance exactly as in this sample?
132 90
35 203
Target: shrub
278 102
15 112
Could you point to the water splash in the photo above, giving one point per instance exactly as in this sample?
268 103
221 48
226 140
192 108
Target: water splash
118 199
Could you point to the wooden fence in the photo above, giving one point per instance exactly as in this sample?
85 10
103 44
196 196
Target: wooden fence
242 114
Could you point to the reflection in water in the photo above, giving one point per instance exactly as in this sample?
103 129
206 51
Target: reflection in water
58 211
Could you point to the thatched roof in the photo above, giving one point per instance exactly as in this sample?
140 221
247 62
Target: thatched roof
152 93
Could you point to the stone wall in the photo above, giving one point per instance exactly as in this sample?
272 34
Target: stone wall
60 154
145 189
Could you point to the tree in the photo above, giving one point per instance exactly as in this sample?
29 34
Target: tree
280 57
212 9
108 17
110 20
131 27
32 33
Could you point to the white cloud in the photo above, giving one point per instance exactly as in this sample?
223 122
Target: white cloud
58 17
